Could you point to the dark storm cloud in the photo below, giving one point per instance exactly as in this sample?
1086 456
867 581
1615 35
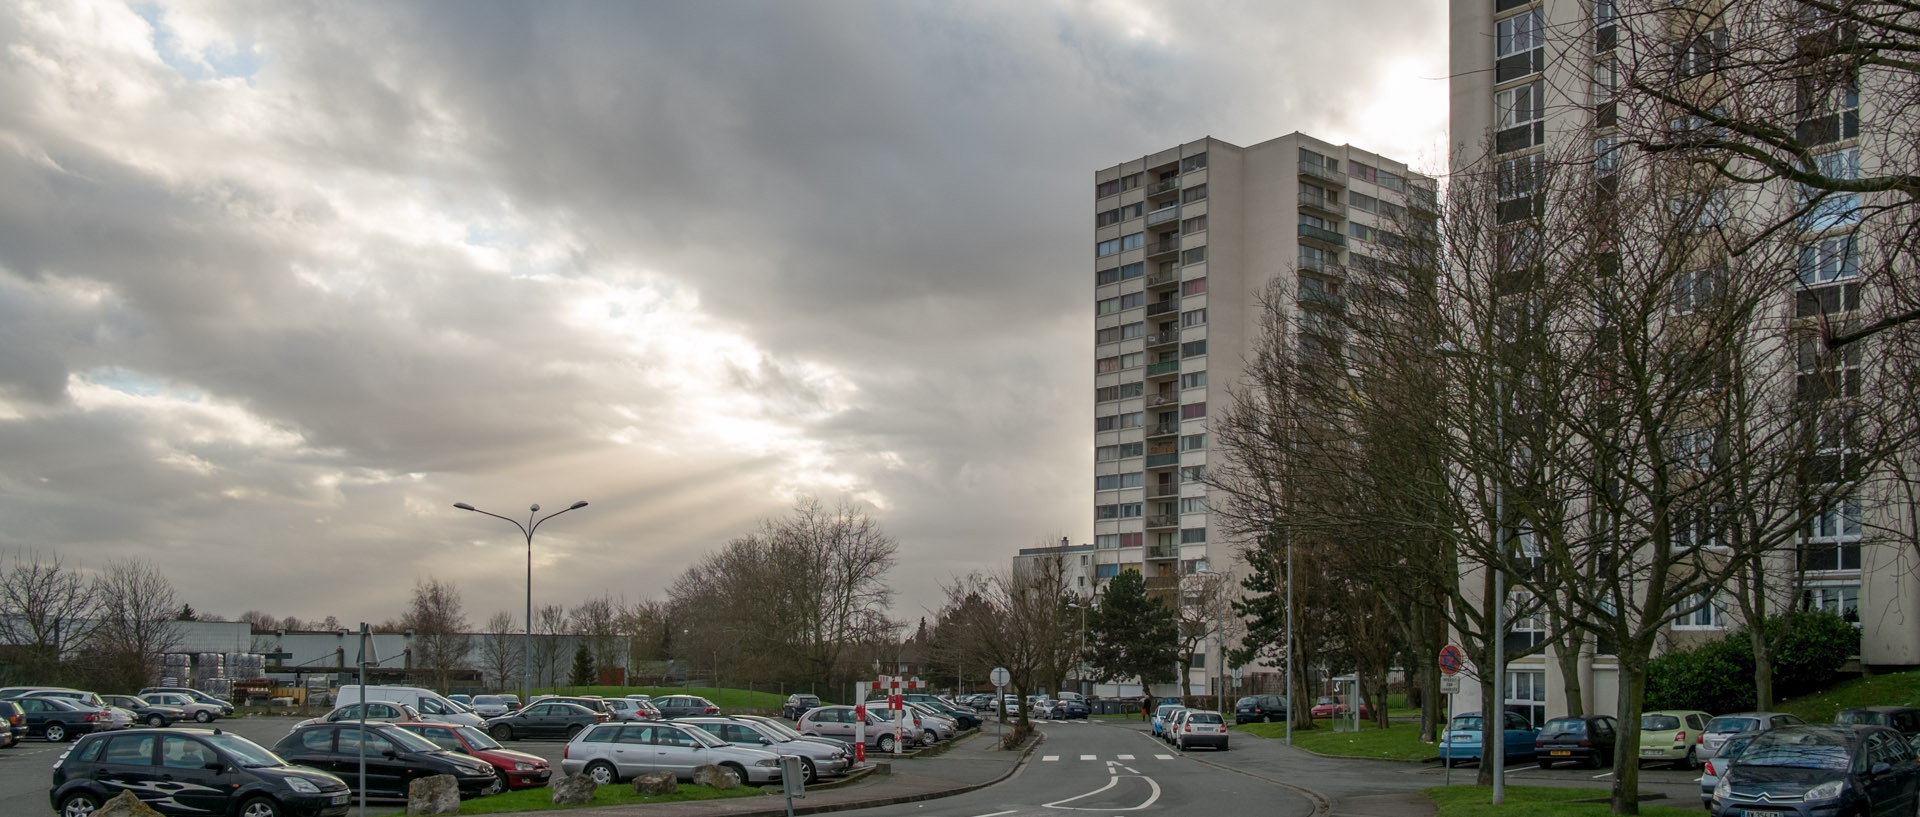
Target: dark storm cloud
282 281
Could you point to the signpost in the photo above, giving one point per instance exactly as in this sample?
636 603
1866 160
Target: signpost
1451 660
793 779
1000 676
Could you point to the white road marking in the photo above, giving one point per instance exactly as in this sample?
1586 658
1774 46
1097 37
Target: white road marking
1123 757
1111 782
1131 770
1163 757
1089 757
994 814
1049 758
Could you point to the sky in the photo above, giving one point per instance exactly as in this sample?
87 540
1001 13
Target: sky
281 282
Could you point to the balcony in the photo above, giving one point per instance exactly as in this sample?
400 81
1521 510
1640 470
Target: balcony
1163 215
1171 245
1160 279
1162 553
1322 204
1163 339
1329 237
1324 299
1163 368
1165 520
1163 584
1163 460
1157 491
1158 400
1163 430
1162 307
1328 174
1163 187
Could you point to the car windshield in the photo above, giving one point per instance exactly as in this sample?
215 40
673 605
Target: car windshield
245 752
1166 710
1565 726
1869 718
488 700
408 740
1736 744
1659 723
702 737
1467 723
1323 700
477 739
1798 749
1246 701
1203 717
1731 724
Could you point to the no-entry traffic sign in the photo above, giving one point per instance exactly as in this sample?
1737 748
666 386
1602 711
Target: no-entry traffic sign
1451 659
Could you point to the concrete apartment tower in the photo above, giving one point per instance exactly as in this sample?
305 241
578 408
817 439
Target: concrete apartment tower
1187 240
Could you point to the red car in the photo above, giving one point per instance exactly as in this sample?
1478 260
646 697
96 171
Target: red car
513 770
1335 706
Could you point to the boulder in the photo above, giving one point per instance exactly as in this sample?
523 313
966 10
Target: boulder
715 776
439 794
125 804
656 783
572 789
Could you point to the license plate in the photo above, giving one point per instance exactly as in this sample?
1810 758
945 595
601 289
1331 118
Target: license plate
341 799
1651 753
1558 753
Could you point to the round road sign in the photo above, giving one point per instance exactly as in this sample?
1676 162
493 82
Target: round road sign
1000 676
1451 659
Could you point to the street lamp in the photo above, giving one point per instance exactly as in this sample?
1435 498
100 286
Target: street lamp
526 649
1080 654
1219 635
1494 723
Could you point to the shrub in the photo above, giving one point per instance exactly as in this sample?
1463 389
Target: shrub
1718 676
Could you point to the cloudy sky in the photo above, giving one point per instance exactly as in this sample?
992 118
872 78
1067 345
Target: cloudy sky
281 282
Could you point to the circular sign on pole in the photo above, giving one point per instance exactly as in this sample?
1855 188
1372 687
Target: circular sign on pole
1451 659
1000 676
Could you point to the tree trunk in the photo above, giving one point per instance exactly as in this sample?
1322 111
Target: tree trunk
1492 722
1566 651
1626 750
1762 670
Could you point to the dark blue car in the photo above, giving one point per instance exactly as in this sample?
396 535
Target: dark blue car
1822 769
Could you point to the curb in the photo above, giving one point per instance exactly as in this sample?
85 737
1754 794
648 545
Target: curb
1025 755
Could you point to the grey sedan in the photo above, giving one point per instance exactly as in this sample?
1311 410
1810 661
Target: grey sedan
819 758
612 752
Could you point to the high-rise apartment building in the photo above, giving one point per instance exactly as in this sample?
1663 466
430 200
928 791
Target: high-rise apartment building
1187 241
1535 83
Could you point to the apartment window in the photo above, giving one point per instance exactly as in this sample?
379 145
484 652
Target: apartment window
1319 223
1842 600
1694 291
1105 189
1193 504
1393 181
1193 163
1193 194
1702 54
1197 286
1693 448
1105 248
1828 260
1106 394
1193 411
1830 210
1829 111
1125 331
1605 32
1106 217
1133 241
1131 450
1516 182
1193 536
1362 201
1130 181
1193 473
1194 256
1193 380
1130 510
1110 275
1106 364
1133 360
1700 611
1527 694
1129 331
1194 348
1193 317
1133 300
1131 419
1193 442
1133 270
1106 512
1359 231
1106 453
1197 224
1134 210
1363 172
1831 540
1693 527
1106 541
1606 155
1105 571
1519 117
1318 163
1518 46
1316 258
1131 540
1708 211
1132 479
1106 482
1110 422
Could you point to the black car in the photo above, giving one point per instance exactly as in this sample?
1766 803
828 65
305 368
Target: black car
1902 719
798 705
191 771
1260 709
16 725
1068 710
1809 769
680 706
964 719
395 758
147 713
59 719
545 718
1585 739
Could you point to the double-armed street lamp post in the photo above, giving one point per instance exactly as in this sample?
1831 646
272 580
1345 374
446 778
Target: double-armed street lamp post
526 648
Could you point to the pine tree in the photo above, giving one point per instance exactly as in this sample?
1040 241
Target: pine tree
582 666
1131 635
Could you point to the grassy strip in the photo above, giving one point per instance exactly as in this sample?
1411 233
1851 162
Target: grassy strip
1536 801
1399 741
541 799
725 698
1892 689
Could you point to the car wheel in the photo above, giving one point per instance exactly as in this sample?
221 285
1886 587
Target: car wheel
884 744
738 771
499 784
1223 746
1180 743
1690 762
260 807
603 773
203 716
78 804
1593 760
1546 764
56 732
929 737
156 721
501 731
813 774
573 731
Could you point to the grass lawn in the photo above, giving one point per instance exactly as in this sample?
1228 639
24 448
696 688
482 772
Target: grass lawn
1537 801
1401 741
725 698
541 799
1893 689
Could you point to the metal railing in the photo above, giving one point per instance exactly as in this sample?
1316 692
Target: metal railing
1163 367
1163 247
1163 215
1163 186
1162 307
1327 236
1321 172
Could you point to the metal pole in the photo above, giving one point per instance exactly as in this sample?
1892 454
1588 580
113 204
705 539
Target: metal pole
1291 707
526 643
1499 716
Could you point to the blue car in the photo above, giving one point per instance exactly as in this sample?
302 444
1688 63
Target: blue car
1461 742
1160 716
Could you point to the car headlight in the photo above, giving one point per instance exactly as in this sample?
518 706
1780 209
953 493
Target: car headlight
302 785
767 762
1724 788
523 766
1829 790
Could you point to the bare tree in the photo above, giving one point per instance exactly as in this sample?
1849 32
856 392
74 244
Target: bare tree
439 623
136 625
549 646
500 650
46 609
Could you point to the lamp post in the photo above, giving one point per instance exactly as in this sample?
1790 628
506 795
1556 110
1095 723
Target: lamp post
1219 636
1080 652
1494 723
526 648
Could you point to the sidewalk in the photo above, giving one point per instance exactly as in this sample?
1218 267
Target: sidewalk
973 762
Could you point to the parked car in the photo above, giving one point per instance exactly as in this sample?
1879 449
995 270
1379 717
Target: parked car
838 722
226 707
963 718
816 757
1726 726
596 704
1461 742
1260 709
1711 770
1585 739
61 719
1335 706
204 773
1201 727
1069 710
784 730
200 711
980 702
680 706
1174 721
116 718
1902 719
639 696
623 709
430 705
1161 716
492 706
545 719
511 769
797 705
932 726
146 712
463 700
15 728
395 758
1011 703
1672 736
1822 769
612 752
382 711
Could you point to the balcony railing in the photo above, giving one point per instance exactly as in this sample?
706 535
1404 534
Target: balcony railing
1163 460
1165 520
1163 186
1163 215
1163 339
1163 430
1162 553
1327 299
1163 367
1158 400
1162 307
1156 491
1163 584
1321 172
1322 203
1160 279
1163 247
1313 233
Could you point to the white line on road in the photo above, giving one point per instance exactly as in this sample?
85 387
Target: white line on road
1111 782
1089 757
1049 758
1163 757
1123 757
994 814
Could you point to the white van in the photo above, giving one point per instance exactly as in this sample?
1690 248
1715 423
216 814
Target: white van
431 706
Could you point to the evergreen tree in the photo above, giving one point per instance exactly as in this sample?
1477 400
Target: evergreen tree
582 666
1131 635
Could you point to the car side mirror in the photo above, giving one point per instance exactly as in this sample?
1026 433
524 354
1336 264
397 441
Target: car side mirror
390 753
214 766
